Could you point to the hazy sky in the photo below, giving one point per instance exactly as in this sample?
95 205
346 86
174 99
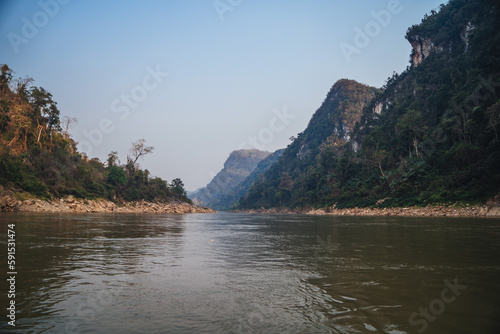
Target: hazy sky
200 78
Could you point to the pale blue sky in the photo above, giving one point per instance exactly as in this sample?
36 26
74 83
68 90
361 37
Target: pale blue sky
233 71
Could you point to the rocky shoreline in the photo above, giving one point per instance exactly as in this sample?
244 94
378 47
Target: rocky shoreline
428 211
9 203
490 209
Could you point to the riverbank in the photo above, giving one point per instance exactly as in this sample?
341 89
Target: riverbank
10 202
490 209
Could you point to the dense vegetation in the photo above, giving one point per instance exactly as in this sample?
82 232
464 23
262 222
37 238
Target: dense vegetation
430 135
292 180
38 156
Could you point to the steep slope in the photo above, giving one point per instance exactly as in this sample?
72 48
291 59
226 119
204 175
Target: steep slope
430 135
236 169
435 137
284 184
231 198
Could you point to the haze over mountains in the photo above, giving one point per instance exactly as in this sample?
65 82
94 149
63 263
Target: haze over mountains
430 135
237 168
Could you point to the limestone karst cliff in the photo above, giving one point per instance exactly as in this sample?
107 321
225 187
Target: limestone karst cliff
430 135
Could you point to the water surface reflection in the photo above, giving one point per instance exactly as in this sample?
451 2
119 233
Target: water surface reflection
242 273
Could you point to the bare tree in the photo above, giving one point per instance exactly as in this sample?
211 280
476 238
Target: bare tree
139 149
68 123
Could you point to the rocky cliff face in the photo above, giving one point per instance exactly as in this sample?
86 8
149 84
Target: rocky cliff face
450 31
429 135
229 200
237 168
422 48
326 136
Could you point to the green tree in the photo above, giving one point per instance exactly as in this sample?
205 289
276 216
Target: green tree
116 176
177 187
411 127
112 159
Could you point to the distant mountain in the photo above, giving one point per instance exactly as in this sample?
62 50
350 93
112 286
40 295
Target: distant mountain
230 199
430 135
218 193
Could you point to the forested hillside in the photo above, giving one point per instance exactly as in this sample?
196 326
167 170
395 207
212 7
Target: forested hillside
38 156
430 135
291 181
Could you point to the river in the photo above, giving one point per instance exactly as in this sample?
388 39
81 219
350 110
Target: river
252 273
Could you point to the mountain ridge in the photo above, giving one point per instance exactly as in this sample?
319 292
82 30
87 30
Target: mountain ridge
329 127
237 167
429 135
